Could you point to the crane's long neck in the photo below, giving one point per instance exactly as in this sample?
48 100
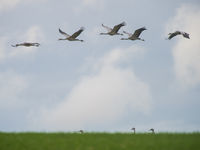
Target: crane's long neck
61 39
103 33
124 39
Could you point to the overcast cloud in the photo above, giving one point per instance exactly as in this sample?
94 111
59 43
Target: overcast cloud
104 83
186 53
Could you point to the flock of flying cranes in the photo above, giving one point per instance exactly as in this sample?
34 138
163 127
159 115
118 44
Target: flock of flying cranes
111 31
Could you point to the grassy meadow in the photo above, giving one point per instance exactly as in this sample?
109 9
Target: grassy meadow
99 141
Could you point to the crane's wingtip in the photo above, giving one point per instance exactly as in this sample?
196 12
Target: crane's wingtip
82 28
124 23
144 28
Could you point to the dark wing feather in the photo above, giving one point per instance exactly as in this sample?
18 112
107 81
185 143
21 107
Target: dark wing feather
67 35
117 27
139 31
76 34
171 35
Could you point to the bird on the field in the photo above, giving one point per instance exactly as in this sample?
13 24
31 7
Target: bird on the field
133 130
81 131
114 30
184 34
152 130
72 37
135 35
26 44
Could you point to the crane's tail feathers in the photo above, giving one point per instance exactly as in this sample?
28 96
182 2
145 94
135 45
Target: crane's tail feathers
167 39
103 33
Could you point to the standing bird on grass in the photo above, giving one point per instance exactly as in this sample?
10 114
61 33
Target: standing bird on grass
133 130
184 34
72 37
114 30
81 131
135 35
152 130
26 44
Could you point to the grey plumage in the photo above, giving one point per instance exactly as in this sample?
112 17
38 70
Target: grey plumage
152 130
184 34
72 37
135 35
133 130
114 30
26 44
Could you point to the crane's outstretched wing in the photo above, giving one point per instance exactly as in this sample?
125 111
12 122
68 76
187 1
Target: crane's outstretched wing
117 27
129 34
63 33
107 28
76 34
139 31
171 35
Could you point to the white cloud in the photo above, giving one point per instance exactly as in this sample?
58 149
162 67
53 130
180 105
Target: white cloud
94 5
11 87
10 4
186 52
91 3
2 48
169 126
100 99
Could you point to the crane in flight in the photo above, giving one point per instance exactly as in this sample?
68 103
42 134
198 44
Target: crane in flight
114 30
26 44
135 35
184 34
72 37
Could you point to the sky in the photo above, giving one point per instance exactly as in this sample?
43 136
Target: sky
104 83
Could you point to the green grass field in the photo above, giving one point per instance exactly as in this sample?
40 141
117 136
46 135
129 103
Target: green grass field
99 141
